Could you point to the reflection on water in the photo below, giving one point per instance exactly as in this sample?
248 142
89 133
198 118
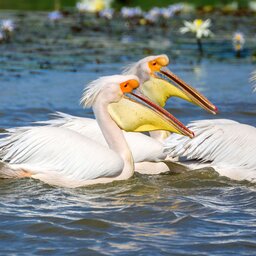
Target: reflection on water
192 213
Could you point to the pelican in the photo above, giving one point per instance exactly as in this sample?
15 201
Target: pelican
63 157
156 84
226 145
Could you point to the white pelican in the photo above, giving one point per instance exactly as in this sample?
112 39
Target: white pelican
60 156
226 145
157 86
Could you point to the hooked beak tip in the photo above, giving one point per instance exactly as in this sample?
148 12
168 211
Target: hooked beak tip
179 127
214 110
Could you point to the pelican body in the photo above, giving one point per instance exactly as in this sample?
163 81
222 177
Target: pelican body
226 145
63 157
156 83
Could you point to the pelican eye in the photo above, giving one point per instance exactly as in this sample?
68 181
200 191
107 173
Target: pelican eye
129 85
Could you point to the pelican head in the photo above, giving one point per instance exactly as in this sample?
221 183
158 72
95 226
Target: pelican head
157 83
131 111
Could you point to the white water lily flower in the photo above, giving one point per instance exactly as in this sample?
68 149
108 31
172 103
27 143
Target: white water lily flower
155 12
153 15
127 12
81 7
170 11
107 13
55 16
176 7
252 6
238 41
198 27
150 17
7 25
167 13
93 5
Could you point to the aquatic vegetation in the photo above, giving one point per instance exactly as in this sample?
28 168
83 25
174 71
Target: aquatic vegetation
76 26
198 27
148 19
152 15
55 16
82 7
231 7
171 10
1 37
7 28
188 8
107 13
156 11
127 12
238 42
165 13
132 16
177 7
156 14
93 6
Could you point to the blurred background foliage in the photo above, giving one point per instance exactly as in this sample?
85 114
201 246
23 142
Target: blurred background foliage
144 4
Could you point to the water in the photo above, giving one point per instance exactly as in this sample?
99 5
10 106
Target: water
195 213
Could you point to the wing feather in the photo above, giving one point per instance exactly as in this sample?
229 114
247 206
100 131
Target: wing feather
143 147
224 143
45 149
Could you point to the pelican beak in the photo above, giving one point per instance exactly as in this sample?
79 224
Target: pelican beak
137 113
186 91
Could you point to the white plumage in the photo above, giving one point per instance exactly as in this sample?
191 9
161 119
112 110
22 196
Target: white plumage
66 151
60 156
143 148
227 146
253 81
59 152
141 68
92 90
